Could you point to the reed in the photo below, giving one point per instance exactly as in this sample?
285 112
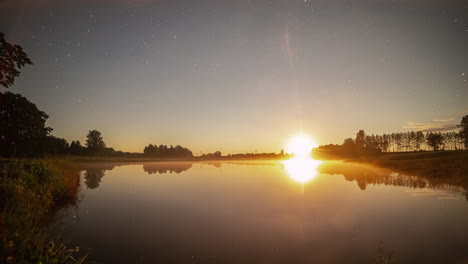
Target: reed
30 190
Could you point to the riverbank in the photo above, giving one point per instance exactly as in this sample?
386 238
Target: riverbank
435 164
30 191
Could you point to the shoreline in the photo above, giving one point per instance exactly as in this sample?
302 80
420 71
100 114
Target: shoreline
435 164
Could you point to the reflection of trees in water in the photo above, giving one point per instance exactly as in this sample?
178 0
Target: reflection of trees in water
93 173
93 178
365 175
166 167
393 179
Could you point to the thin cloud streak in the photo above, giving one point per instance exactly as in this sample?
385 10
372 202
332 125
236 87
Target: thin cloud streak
443 120
435 126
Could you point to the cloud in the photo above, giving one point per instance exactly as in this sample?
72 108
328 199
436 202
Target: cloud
443 120
434 126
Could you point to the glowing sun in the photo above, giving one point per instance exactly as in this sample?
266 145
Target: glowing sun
300 145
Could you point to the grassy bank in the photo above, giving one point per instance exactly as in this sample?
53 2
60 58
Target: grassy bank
30 190
437 164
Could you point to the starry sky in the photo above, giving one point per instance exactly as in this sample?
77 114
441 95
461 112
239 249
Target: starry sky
241 76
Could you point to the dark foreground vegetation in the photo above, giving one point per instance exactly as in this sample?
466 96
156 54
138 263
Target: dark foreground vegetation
30 192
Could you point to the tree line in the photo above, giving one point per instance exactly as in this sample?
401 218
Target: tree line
162 151
23 133
400 142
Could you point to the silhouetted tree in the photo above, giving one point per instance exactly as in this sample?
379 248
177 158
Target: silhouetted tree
164 152
48 145
360 141
21 122
108 152
419 139
151 150
76 148
349 148
464 131
12 59
435 140
94 142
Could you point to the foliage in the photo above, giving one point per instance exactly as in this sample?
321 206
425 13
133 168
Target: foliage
435 140
95 142
76 148
21 123
464 131
28 192
165 152
12 59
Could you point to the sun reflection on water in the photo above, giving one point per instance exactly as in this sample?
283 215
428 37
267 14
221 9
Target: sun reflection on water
301 169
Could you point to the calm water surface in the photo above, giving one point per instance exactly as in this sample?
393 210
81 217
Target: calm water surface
264 212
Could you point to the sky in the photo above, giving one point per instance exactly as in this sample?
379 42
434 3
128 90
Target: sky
241 76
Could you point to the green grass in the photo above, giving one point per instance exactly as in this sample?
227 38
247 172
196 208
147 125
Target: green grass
29 192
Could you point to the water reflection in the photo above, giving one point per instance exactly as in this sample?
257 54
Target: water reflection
302 169
93 177
94 172
365 175
166 167
251 212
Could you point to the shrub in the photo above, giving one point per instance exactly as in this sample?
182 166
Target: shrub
29 190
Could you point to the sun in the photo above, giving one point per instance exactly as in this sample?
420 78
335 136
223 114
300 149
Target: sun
300 145
302 169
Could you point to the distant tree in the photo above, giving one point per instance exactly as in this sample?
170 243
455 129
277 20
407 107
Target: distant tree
217 154
464 131
349 148
164 152
21 122
385 142
398 137
108 151
76 148
151 150
419 140
12 59
435 140
48 145
94 142
360 141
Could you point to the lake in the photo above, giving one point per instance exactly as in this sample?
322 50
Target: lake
264 212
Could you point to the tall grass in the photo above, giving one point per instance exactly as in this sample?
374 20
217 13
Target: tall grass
29 191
